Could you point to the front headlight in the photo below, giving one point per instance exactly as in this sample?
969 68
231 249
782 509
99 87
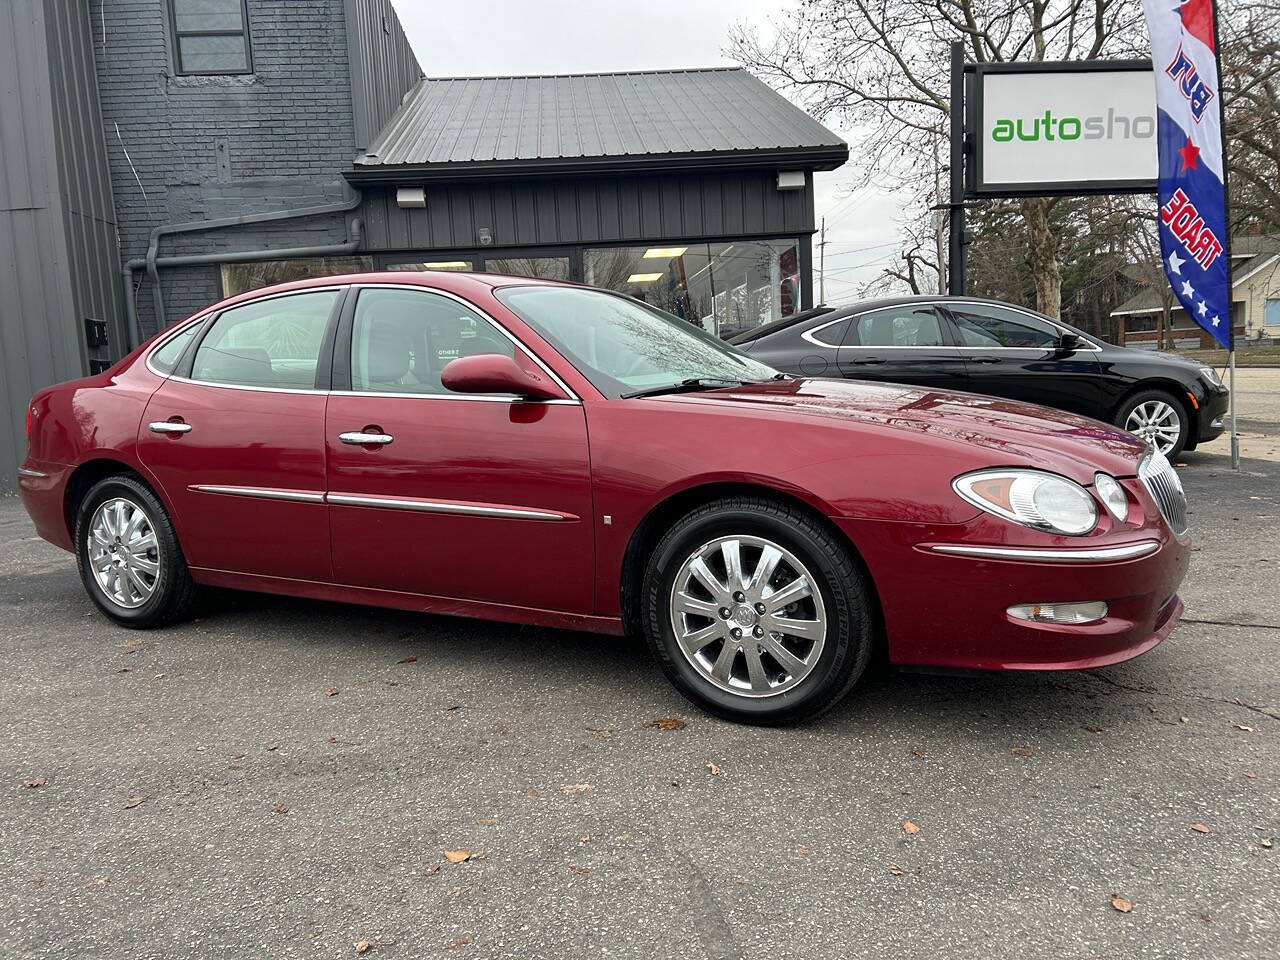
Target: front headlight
1042 501
1112 495
1210 376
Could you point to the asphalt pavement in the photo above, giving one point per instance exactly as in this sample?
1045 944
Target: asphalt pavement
282 778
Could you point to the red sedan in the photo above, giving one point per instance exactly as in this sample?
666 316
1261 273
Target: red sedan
551 454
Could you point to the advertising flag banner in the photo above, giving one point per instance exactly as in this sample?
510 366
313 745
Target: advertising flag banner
1191 191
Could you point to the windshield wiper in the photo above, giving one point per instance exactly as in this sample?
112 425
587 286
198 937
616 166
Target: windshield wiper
687 385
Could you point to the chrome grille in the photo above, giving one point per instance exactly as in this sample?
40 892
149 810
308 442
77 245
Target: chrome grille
1161 480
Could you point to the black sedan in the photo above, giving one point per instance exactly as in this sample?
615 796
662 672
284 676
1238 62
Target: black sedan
983 346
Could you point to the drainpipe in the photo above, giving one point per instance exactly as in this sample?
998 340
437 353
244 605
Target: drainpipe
152 262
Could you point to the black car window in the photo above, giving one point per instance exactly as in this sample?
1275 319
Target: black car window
401 340
907 325
266 343
985 325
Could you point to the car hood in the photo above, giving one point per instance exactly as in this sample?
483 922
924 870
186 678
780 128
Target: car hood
1010 432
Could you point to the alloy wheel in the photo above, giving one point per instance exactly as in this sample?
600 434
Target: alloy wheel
123 552
748 615
1156 422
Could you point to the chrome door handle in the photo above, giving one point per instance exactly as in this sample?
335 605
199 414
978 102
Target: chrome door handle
166 426
356 438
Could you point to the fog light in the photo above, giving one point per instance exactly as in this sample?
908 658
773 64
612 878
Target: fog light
1059 612
1218 421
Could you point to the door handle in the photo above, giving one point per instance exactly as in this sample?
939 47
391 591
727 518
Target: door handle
358 439
985 359
168 426
869 361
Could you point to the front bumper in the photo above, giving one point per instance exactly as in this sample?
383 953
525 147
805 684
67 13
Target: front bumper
1213 416
950 610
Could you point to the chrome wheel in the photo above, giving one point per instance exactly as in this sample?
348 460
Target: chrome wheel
748 616
1156 422
123 553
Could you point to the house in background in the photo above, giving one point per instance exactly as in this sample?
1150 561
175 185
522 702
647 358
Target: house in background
1255 303
162 154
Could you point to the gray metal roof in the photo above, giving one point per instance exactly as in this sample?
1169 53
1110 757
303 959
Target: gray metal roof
579 119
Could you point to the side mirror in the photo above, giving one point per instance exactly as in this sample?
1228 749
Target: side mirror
495 373
1070 343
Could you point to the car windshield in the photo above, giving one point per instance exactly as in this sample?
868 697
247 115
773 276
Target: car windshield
626 347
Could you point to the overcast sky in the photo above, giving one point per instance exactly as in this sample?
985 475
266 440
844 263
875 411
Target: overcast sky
559 36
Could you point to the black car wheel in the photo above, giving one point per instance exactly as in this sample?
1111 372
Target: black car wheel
1158 418
128 555
756 612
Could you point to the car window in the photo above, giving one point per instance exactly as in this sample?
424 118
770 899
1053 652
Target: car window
166 356
402 339
982 325
267 343
902 326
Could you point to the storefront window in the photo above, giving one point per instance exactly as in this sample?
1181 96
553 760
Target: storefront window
546 268
239 277
724 288
433 265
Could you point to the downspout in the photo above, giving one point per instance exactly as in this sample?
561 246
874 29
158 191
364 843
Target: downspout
152 262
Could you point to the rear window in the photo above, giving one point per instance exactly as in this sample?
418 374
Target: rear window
165 357
268 343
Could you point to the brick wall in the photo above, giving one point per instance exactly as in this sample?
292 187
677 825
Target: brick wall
203 147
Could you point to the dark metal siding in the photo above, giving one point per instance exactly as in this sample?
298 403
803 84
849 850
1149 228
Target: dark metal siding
57 230
590 210
383 67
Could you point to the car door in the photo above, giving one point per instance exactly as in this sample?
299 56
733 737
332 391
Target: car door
474 497
236 438
906 343
1016 355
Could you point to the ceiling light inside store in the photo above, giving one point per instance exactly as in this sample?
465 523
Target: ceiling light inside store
643 277
664 253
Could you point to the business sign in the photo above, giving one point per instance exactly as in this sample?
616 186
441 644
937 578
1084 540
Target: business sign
1063 128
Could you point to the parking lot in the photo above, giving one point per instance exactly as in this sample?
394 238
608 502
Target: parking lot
283 778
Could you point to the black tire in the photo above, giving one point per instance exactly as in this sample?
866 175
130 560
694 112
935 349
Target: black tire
1148 396
174 591
846 595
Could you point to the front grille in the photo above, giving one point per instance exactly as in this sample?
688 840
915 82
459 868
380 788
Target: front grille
1161 480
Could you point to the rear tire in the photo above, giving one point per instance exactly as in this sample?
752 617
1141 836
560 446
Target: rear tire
128 555
790 574
1156 416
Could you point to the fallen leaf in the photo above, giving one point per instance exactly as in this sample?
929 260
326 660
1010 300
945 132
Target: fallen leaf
917 753
666 723
273 746
1184 719
238 756
158 676
1250 775
1092 728
713 769
362 946
571 788
579 869
462 942
803 850
457 856
331 692
434 868
1241 726
133 802
35 782
910 828
585 838
487 821
282 808
1265 842
408 659
601 733
1201 828
896 870
532 792
1020 751
1120 903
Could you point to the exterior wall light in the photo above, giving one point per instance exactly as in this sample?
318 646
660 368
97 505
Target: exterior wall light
411 196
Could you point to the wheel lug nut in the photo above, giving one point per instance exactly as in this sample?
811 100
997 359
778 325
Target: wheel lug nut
724 613
739 596
757 632
760 608
735 633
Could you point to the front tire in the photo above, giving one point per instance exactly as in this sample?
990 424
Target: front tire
1157 417
756 612
128 555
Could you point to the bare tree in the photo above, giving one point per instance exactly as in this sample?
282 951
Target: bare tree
880 68
1251 95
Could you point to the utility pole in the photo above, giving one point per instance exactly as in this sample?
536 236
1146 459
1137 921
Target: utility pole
822 262
955 238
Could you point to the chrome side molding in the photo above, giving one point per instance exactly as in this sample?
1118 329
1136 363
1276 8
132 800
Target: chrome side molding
260 493
32 474
412 504
1126 551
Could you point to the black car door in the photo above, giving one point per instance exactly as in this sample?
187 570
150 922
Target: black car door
1014 354
906 343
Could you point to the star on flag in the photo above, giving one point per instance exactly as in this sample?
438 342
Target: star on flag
1202 308
1216 321
1189 153
1187 289
1175 262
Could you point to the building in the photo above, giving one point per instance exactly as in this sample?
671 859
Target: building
1255 303
162 154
